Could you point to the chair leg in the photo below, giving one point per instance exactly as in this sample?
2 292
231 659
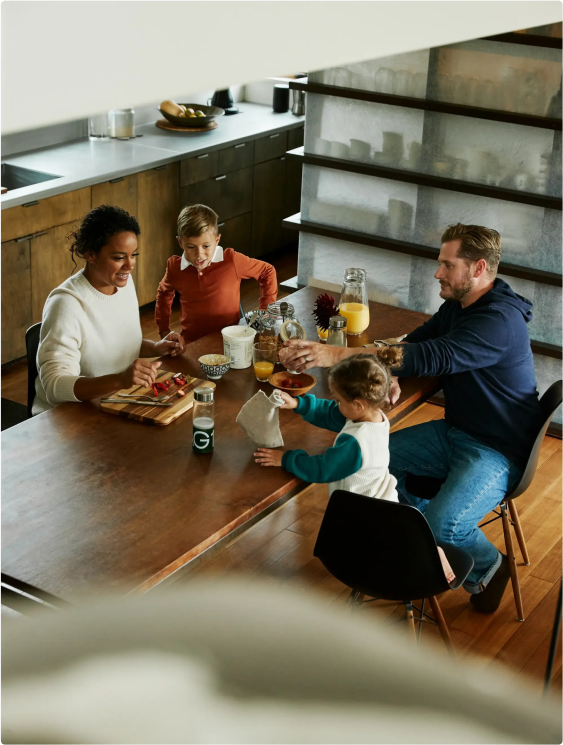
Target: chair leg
442 625
410 618
355 598
519 532
512 561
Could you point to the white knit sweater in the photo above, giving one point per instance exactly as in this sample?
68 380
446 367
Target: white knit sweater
84 333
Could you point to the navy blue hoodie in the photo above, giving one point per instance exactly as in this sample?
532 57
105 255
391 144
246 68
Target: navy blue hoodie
482 355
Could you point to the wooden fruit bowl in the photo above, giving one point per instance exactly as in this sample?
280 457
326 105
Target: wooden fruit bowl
304 380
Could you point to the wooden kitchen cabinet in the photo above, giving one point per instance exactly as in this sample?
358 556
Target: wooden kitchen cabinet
268 206
119 192
237 233
44 214
157 215
199 168
295 138
16 298
229 194
270 147
51 264
236 157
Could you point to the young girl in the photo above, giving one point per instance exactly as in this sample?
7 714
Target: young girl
359 459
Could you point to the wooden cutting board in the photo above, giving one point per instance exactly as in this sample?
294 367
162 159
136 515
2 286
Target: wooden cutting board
161 415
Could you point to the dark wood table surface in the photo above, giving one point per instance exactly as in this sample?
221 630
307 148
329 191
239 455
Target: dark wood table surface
94 502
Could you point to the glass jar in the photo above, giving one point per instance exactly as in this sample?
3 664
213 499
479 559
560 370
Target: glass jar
354 304
98 128
337 332
203 420
122 123
280 324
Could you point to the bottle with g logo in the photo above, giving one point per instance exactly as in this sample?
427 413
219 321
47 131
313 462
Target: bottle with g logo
204 420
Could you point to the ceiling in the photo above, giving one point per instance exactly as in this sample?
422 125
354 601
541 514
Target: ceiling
66 60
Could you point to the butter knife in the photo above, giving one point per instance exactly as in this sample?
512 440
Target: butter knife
133 401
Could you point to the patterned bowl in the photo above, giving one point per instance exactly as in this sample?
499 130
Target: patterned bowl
214 365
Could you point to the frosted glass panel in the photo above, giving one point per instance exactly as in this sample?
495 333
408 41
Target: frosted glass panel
548 370
388 273
402 74
494 153
531 236
496 75
356 202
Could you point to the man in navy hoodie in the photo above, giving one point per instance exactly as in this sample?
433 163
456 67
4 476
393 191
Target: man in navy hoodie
478 345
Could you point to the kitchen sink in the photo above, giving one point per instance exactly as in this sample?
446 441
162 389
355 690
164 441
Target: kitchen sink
16 177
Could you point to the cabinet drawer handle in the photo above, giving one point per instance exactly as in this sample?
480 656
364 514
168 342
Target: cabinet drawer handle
220 224
242 144
31 204
24 238
276 135
283 157
205 155
116 180
41 232
160 168
220 178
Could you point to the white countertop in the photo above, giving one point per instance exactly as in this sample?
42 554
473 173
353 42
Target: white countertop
83 163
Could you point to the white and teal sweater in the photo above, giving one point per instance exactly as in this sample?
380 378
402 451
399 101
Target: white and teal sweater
357 462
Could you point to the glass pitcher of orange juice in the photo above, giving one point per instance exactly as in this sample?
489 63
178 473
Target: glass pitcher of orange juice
354 301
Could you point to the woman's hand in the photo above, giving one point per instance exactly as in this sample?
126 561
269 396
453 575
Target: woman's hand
141 372
298 356
172 344
289 401
268 457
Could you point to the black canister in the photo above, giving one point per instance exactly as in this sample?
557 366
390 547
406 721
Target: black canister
281 98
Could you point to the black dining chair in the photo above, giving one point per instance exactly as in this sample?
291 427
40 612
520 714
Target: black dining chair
386 550
426 487
26 599
32 336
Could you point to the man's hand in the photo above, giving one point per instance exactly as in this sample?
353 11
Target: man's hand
394 390
268 457
172 344
289 401
297 355
141 372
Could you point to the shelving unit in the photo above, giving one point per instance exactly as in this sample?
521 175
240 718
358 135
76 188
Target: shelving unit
432 142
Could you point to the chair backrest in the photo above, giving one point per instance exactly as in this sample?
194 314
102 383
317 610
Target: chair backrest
383 549
549 402
31 346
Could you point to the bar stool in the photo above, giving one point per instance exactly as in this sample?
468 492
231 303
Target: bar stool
387 551
427 487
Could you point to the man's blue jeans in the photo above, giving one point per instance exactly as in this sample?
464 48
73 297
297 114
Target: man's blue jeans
477 479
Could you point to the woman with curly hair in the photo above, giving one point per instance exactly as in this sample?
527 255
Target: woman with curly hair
91 342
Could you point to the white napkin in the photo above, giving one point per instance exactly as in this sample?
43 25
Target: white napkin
260 419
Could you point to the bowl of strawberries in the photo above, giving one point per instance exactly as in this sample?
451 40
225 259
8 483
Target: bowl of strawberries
296 384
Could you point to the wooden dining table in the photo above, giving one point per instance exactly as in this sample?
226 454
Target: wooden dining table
92 502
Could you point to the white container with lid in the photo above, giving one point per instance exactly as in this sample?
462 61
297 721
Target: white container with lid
122 123
237 343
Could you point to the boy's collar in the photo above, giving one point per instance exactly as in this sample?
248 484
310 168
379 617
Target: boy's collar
217 256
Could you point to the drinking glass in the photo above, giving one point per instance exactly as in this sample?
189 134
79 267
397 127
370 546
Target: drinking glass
98 128
264 358
383 80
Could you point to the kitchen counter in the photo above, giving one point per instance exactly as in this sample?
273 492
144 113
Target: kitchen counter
84 163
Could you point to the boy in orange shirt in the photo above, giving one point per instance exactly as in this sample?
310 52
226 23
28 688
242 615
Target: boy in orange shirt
207 277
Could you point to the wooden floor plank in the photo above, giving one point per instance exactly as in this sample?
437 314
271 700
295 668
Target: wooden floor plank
549 567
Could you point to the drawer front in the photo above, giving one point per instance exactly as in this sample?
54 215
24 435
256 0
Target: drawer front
229 194
295 138
16 298
270 147
236 157
237 233
199 168
45 213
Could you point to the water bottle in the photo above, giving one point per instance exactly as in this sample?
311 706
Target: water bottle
203 420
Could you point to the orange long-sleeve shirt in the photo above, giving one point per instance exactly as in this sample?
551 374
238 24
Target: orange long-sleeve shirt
210 299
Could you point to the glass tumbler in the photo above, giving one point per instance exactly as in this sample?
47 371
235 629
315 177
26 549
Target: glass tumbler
354 304
264 358
98 128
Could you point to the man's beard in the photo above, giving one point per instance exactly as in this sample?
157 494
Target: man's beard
459 292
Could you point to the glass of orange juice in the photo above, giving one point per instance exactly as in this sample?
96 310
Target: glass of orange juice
354 304
264 358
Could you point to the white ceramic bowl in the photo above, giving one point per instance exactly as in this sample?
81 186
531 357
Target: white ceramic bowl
214 365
